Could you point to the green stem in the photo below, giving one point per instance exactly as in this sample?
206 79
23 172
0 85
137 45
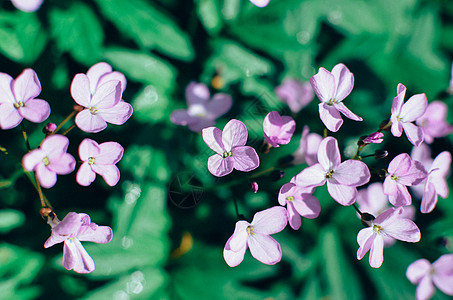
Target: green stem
64 122
357 209
24 134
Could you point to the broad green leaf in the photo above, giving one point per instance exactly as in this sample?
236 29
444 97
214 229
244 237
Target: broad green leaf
22 36
10 219
77 30
209 14
148 26
151 105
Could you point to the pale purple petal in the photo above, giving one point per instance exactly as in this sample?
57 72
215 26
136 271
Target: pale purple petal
345 111
295 94
429 199
329 154
35 110
344 81
234 134
181 117
233 258
330 116
239 238
55 145
117 114
46 177
375 138
365 239
110 153
286 190
212 136
245 158
398 101
219 105
425 289
264 248
110 173
270 221
197 93
415 175
444 265
85 175
404 230
9 116
88 148
390 186
377 252
417 270
442 162
219 166
260 3
27 5
414 133
400 165
106 95
323 84
26 86
402 196
397 128
114 76
352 173
96 72
94 233
308 206
32 159
80 90
414 108
345 195
76 257
88 122
5 89
311 176
294 218
200 124
65 164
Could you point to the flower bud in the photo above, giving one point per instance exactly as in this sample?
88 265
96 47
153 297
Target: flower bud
385 125
49 128
375 138
78 107
367 219
255 187
45 211
276 175
380 154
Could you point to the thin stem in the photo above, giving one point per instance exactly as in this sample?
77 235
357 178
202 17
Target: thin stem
34 181
325 132
262 172
38 188
357 209
64 121
236 208
69 129
24 134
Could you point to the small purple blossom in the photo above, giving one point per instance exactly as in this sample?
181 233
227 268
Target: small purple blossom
49 128
18 100
331 88
202 111
278 130
71 230
402 172
435 184
299 202
255 187
434 121
231 150
27 5
49 160
256 236
295 94
100 92
307 153
260 3
389 223
427 275
403 114
342 177
374 138
100 159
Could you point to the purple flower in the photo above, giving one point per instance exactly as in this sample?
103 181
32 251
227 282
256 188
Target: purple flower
342 177
278 130
202 111
295 93
230 148
375 138
18 100
256 236
71 230
260 3
426 275
402 172
331 88
27 5
435 184
307 153
299 202
403 114
100 92
49 160
389 223
100 159
433 121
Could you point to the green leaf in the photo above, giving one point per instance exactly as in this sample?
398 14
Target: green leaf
77 30
209 13
151 105
22 37
10 219
148 27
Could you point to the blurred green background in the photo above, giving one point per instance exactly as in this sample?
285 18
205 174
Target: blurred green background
170 217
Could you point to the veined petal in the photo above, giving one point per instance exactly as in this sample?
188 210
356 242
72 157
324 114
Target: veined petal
397 128
414 108
54 145
414 133
390 187
85 175
345 195
415 175
377 252
114 76
400 164
345 111
80 90
118 114
402 196
212 136
219 166
329 154
88 122
239 238
442 162
96 72
286 190
429 199
26 86
352 173
219 105
398 100
270 221
330 116
35 110
308 206
233 258
404 230
9 116
6 89
95 233
65 164
110 173
245 158
76 257
110 153
344 81
323 84
264 248
294 218
107 95
311 176
88 148
46 177
234 134
32 159
417 270
365 239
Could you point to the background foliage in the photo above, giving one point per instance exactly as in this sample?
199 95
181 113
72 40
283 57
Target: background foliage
160 250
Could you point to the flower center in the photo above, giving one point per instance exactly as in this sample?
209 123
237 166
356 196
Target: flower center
290 198
250 230
46 161
329 174
377 228
197 110
227 154
91 160
19 104
332 101
93 110
394 177
398 118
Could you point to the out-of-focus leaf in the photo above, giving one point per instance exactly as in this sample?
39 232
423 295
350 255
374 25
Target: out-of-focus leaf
22 37
77 30
10 219
209 14
151 105
142 67
312 289
148 27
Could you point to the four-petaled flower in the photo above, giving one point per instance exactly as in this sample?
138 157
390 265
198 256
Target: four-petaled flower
230 148
100 92
434 121
342 177
331 88
101 159
18 101
202 111
403 114
426 275
402 172
390 223
307 153
299 202
295 93
71 230
49 160
278 130
255 236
